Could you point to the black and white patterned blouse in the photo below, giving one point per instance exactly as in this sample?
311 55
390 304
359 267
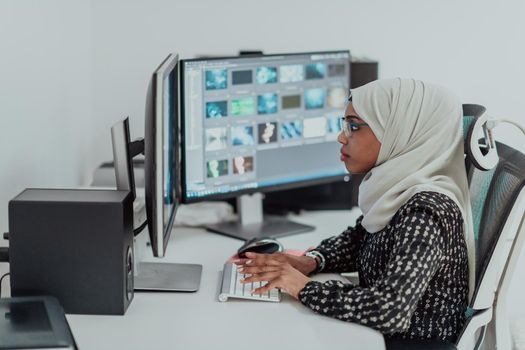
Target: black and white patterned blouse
413 274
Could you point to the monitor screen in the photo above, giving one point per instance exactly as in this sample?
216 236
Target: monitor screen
168 147
260 123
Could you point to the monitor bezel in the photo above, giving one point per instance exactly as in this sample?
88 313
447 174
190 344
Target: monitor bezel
154 158
263 189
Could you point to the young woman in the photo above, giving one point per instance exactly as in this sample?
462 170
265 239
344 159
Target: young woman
410 244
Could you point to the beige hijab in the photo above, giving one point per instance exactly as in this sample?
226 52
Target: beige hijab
420 128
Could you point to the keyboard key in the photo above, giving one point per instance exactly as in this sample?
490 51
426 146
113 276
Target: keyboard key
233 288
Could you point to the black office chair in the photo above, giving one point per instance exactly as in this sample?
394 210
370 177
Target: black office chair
498 207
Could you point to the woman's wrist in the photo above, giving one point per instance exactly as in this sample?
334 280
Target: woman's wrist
312 264
318 258
303 284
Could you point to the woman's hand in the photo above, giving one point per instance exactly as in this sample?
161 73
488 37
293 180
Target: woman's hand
302 263
277 270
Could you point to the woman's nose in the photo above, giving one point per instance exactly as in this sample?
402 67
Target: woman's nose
342 138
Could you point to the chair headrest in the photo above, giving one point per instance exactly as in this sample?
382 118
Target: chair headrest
481 152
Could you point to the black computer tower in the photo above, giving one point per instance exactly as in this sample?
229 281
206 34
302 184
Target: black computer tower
76 245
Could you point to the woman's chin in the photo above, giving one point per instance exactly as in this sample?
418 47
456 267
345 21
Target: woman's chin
349 167
353 169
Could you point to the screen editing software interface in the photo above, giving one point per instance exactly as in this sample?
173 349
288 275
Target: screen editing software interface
169 188
257 122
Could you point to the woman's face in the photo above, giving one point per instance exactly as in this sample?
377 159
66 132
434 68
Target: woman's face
359 151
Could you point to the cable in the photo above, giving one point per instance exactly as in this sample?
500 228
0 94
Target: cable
513 123
1 279
492 123
139 229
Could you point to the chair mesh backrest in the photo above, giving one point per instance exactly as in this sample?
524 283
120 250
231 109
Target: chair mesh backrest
493 194
479 181
479 186
467 121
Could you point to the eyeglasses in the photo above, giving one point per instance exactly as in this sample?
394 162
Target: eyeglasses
349 126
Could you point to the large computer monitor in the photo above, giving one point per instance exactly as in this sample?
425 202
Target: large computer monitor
160 153
259 123
162 180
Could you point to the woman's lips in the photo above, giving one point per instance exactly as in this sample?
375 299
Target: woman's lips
344 156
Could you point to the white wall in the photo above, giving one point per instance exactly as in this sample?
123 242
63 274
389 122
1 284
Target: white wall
474 47
45 96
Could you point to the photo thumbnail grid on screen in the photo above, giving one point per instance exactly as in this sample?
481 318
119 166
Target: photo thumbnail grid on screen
260 111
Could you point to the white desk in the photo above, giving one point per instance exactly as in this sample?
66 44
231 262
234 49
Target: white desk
198 321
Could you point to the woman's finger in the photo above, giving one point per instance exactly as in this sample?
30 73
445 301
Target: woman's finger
263 260
274 256
264 289
257 269
240 261
265 276
252 255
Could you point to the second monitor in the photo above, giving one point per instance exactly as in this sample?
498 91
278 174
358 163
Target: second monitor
261 123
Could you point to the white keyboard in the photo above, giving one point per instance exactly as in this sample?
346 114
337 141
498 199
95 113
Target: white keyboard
233 288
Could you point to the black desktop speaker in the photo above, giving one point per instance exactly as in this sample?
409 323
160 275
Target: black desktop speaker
337 195
76 245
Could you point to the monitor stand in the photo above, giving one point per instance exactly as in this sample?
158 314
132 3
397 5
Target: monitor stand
163 277
252 224
167 277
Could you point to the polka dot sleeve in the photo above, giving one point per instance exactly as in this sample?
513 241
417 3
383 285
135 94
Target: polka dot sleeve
340 252
388 304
